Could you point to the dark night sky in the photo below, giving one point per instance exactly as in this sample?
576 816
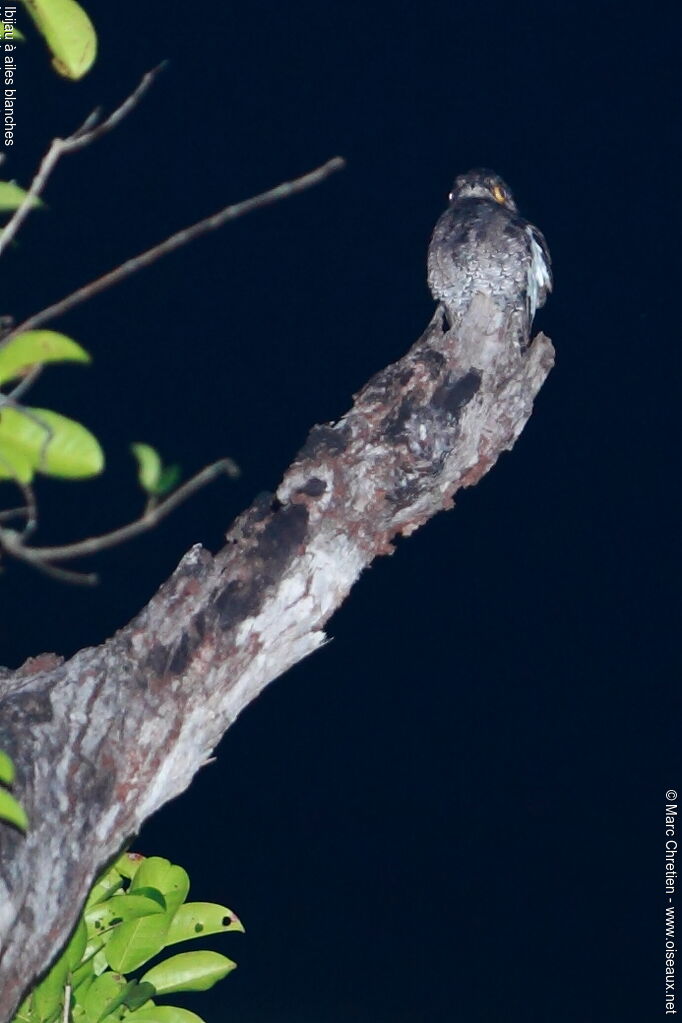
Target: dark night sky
455 810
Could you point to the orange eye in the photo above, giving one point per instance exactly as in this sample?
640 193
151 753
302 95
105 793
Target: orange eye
498 195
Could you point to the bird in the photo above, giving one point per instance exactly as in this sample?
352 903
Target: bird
481 244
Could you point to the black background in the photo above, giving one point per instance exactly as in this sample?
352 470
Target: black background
455 810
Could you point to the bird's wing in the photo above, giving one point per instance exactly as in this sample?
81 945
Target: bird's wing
540 279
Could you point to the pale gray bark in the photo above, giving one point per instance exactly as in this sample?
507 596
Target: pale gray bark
103 740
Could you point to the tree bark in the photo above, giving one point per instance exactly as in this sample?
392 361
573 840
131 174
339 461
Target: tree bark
102 741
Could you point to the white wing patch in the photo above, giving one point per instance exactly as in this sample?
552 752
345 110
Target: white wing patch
539 274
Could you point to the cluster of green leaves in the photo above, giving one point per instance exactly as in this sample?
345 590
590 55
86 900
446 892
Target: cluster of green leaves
10 809
135 911
68 32
36 439
32 439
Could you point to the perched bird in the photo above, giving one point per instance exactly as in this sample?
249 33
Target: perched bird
482 244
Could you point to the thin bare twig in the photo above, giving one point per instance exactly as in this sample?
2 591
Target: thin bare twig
25 383
43 557
64 575
180 238
13 513
88 132
28 511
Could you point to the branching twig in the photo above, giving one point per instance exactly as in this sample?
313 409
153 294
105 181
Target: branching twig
180 238
11 541
88 132
43 558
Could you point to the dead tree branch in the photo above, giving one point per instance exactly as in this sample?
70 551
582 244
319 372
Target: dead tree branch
102 741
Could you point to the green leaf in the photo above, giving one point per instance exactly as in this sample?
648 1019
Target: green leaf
77 945
154 477
9 32
99 962
128 864
149 894
137 941
48 997
12 811
196 919
172 881
148 466
189 971
6 769
14 465
120 908
109 883
100 994
82 979
12 196
68 32
164 1014
77 1013
168 480
52 444
152 872
23 1012
133 996
37 347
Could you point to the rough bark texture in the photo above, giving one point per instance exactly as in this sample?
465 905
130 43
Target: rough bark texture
103 740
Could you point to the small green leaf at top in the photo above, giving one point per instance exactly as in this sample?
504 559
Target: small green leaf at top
68 32
12 196
35 348
189 971
9 32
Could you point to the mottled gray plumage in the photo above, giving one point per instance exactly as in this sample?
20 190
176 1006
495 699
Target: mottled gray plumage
481 244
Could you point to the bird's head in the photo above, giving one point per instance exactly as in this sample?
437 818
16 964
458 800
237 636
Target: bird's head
482 184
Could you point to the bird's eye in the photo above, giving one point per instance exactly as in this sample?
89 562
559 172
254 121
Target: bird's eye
498 195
